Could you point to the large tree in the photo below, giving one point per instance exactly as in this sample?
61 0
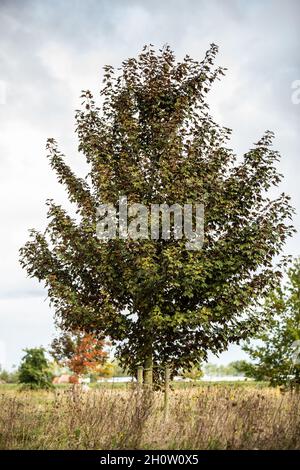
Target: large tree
276 353
154 141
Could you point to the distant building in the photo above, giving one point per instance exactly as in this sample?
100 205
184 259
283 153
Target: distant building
62 379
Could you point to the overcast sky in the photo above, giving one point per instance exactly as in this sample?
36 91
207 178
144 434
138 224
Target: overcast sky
51 50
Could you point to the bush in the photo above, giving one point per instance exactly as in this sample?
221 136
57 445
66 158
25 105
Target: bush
34 370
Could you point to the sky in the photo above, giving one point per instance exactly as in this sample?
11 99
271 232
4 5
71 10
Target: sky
51 50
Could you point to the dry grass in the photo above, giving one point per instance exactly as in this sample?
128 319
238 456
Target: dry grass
216 417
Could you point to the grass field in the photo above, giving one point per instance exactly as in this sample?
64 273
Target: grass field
205 416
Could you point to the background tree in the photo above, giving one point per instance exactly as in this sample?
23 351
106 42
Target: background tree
234 368
277 357
8 377
4 375
81 353
119 371
154 141
34 369
194 373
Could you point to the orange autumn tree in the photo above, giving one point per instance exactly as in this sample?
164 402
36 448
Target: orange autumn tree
88 355
80 352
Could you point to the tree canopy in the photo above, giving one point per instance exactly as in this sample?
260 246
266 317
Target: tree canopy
154 141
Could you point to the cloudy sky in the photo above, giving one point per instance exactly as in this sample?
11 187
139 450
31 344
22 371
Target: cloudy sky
51 50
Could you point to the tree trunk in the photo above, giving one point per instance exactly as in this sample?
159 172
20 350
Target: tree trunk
148 370
167 390
140 375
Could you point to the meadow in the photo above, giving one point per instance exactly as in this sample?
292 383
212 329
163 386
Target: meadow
205 416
